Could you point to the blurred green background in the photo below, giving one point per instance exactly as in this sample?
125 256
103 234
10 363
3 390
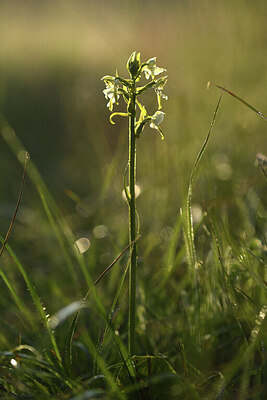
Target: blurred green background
52 57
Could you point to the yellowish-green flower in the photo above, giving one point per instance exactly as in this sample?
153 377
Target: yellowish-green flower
156 120
159 86
150 69
111 91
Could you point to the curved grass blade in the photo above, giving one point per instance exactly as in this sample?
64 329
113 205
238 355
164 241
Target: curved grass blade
53 214
238 98
35 365
189 218
37 302
189 230
20 304
17 206
116 259
51 208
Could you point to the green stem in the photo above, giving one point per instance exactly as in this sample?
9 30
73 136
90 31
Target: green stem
132 229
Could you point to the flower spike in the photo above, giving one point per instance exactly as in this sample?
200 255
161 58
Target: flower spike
137 118
117 87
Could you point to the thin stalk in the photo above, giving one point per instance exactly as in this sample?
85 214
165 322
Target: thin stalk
132 229
17 206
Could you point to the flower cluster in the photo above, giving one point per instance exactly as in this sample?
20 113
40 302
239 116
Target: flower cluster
127 88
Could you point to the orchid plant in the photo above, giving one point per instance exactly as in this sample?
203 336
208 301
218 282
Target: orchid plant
117 87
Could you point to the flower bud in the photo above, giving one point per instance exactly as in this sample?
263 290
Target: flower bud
134 64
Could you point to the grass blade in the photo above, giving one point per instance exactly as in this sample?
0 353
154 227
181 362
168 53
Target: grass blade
17 206
75 319
239 99
189 230
189 218
36 299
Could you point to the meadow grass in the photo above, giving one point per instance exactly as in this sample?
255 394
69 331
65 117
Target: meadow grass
201 283
50 364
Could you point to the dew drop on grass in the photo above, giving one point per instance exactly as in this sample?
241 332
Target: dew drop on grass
82 244
137 192
22 155
241 257
14 362
197 213
198 264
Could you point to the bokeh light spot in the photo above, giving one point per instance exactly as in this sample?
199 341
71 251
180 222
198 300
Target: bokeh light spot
83 244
